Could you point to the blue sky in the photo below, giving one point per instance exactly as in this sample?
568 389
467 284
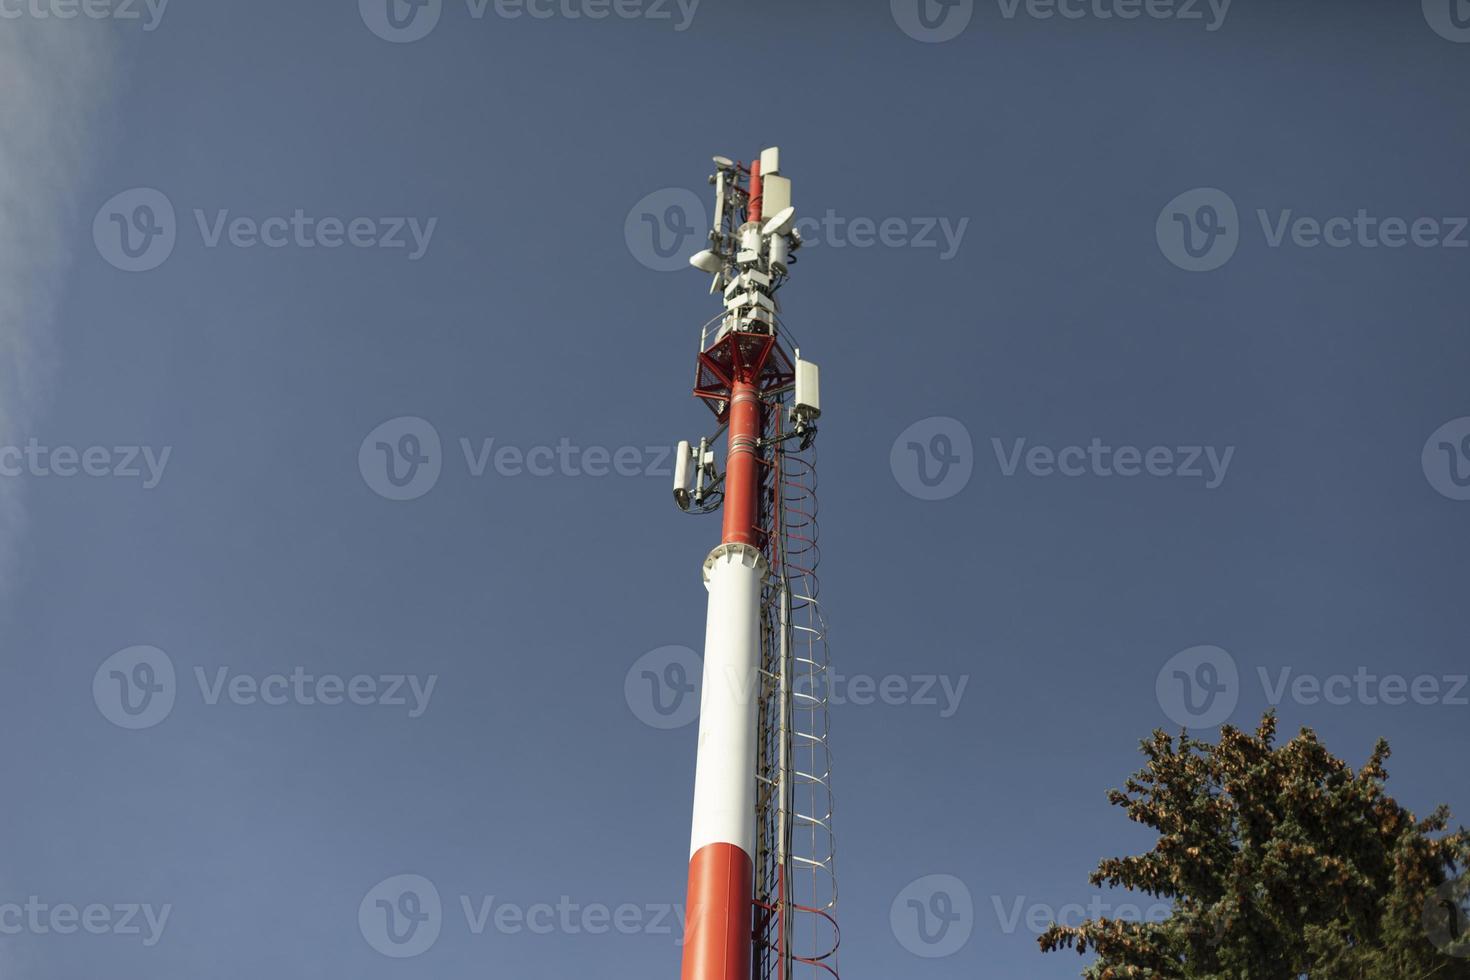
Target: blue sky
1069 248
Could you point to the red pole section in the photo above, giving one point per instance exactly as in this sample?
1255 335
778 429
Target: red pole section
753 209
717 933
741 515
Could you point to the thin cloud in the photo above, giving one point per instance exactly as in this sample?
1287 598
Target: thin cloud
53 74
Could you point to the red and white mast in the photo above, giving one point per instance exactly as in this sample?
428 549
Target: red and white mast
764 396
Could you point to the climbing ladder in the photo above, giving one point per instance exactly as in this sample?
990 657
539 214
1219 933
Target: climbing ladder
796 933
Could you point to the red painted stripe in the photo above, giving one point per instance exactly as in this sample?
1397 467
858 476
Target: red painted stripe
717 933
741 516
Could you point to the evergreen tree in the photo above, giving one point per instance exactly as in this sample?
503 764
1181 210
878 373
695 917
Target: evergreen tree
1280 863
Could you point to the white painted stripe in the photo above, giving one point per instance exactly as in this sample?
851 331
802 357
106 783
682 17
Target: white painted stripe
724 777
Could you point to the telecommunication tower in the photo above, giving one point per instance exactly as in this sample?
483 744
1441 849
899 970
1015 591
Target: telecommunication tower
762 888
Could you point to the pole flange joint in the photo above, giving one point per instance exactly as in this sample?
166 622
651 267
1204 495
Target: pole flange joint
736 552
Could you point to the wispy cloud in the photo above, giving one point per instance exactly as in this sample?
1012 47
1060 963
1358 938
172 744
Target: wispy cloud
54 76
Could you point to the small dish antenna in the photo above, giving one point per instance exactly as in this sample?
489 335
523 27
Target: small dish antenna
707 261
780 222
